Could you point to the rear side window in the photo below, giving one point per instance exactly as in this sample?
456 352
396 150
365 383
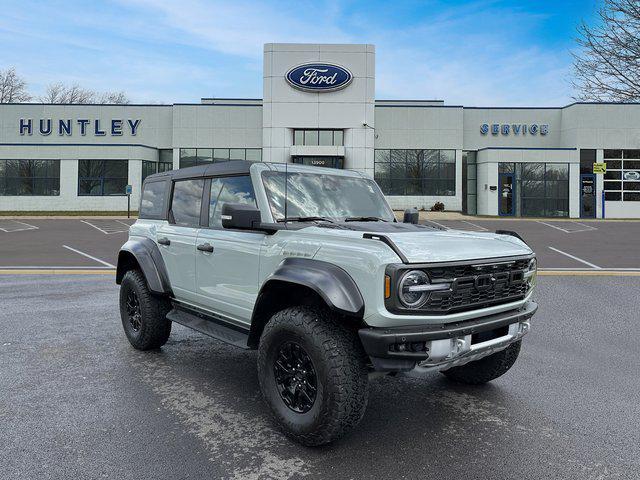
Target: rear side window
231 190
186 202
153 198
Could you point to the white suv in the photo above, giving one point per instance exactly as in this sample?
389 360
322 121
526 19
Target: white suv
310 267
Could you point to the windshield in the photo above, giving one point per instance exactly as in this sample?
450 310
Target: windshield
324 195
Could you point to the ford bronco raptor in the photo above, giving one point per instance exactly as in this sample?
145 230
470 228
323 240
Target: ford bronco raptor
310 267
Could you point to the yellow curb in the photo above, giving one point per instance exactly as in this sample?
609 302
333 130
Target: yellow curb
588 273
42 271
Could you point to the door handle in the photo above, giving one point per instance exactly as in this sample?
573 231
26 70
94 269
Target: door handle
205 247
164 241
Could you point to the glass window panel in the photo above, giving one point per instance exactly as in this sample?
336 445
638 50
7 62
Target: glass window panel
236 154
381 170
631 186
220 154
384 184
325 137
205 155
533 207
631 197
613 154
186 201
613 196
398 170
298 137
234 190
613 175
382 156
557 171
398 156
533 171
471 187
338 138
165 155
148 168
632 165
614 164
631 154
114 186
90 186
216 186
448 156
254 154
556 207
116 168
612 185
311 137
165 166
187 162
152 201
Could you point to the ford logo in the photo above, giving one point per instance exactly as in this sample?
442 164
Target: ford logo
319 77
632 175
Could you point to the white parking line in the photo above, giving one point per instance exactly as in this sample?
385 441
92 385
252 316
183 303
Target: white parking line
439 224
576 258
106 232
10 230
587 228
475 225
89 256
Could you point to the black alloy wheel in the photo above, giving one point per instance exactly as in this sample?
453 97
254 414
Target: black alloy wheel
133 311
295 377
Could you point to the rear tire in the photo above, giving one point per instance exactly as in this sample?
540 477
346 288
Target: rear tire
487 368
309 351
144 315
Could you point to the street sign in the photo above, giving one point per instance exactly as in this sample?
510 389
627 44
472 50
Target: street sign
600 167
128 189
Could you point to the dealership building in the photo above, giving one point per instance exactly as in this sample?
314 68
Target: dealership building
319 108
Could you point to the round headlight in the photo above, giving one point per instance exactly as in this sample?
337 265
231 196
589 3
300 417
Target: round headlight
409 295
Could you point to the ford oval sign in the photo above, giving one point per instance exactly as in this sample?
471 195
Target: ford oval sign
319 77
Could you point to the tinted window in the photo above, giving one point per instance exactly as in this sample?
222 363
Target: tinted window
152 202
186 202
29 177
102 177
228 190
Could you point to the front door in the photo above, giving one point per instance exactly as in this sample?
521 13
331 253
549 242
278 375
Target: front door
506 194
587 195
228 261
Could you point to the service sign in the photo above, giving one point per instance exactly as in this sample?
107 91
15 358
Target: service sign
600 167
319 77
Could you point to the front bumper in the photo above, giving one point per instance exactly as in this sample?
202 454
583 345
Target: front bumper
445 345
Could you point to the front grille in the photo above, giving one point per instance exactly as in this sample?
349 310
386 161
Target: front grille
476 285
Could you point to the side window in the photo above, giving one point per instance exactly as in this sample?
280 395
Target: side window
229 190
152 202
186 202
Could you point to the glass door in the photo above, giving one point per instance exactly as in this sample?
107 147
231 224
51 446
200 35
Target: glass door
506 194
587 196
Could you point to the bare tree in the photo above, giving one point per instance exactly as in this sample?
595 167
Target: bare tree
75 94
12 87
607 67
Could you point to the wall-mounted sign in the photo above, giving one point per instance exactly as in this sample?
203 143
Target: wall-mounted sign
631 175
600 167
66 127
514 129
319 77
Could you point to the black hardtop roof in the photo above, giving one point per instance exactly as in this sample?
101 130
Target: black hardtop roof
233 167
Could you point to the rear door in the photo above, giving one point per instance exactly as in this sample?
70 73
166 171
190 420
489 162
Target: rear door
228 261
177 238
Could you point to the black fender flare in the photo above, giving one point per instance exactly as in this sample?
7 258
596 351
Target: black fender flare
147 255
334 285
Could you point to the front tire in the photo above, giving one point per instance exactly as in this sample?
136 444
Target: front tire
144 315
313 375
487 368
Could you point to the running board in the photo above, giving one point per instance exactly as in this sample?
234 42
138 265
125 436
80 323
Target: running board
213 327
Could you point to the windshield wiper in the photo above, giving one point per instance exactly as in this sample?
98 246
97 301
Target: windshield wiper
365 219
306 219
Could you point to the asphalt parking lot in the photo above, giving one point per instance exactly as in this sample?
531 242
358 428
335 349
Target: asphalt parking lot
73 243
78 402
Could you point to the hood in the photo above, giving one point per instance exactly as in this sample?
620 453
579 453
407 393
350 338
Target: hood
420 244
456 245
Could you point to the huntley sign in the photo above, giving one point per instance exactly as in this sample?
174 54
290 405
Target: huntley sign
66 127
319 77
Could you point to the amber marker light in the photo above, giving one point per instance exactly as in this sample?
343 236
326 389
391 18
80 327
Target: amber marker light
387 286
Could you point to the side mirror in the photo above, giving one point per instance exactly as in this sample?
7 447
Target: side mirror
411 215
240 216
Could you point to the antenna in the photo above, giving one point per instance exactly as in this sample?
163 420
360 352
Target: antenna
286 186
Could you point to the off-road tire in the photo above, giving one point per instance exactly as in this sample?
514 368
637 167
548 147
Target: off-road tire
154 328
487 368
340 366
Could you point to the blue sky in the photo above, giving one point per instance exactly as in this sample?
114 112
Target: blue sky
475 53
